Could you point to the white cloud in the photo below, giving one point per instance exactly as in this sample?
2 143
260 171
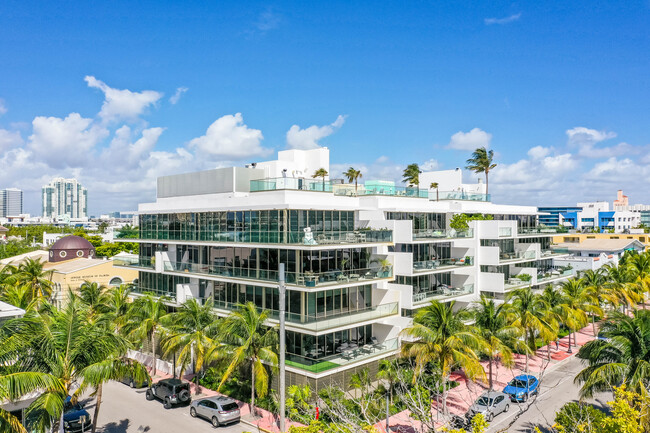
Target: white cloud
3 107
124 155
538 152
308 138
504 20
470 140
177 96
229 137
382 159
65 142
581 135
268 20
430 165
9 139
122 104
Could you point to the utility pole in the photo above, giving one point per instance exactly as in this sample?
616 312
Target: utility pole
387 407
283 295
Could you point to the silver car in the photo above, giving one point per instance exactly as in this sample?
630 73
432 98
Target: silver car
490 405
219 410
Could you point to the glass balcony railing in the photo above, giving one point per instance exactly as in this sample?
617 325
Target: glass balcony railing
303 279
505 232
320 322
455 195
540 230
556 251
427 265
555 274
292 183
346 354
421 234
392 191
517 255
443 292
136 262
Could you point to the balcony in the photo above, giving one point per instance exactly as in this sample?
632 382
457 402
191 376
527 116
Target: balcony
347 353
292 183
549 253
134 262
505 232
541 230
443 292
455 195
302 279
424 234
555 275
429 265
384 190
322 322
510 256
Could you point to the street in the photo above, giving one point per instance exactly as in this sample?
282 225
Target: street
125 410
557 388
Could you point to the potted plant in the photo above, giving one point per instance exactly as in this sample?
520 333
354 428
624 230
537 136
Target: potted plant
525 277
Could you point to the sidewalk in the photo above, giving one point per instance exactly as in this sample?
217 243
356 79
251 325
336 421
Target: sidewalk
463 396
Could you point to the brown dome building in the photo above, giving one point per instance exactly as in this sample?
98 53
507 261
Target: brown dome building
71 247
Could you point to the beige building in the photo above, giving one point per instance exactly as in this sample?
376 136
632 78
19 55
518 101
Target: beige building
644 238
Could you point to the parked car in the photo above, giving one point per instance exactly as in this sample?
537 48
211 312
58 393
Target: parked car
522 387
75 417
170 391
490 404
128 380
219 410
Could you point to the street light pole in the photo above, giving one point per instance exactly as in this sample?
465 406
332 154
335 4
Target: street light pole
387 407
283 290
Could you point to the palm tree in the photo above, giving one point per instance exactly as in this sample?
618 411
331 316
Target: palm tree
389 371
145 321
555 310
623 357
639 267
531 315
353 175
481 162
442 337
93 295
18 296
595 280
78 352
411 175
31 274
321 172
118 304
248 338
579 299
192 332
496 332
434 185
619 284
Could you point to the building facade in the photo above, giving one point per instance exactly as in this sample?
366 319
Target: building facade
11 202
550 215
360 260
597 216
65 198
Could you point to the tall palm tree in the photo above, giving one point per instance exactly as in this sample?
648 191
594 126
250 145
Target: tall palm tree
481 162
499 336
596 280
441 336
18 296
118 304
623 357
31 274
619 284
531 315
249 338
639 266
353 175
321 172
94 296
192 331
145 322
78 352
555 310
389 371
411 175
434 185
579 300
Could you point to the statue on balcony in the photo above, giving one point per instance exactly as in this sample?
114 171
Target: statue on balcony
309 237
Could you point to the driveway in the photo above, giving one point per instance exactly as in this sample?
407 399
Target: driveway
125 410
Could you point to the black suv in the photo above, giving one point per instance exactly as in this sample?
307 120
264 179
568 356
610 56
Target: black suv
170 391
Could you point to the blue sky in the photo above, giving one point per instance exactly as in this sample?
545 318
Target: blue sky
559 90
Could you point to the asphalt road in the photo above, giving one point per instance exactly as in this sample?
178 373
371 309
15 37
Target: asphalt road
125 410
557 388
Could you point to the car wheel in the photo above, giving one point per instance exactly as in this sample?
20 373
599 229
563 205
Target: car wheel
132 384
193 412
167 403
149 395
215 422
489 417
507 408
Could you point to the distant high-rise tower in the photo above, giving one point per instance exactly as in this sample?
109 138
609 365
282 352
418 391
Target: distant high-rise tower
11 202
65 197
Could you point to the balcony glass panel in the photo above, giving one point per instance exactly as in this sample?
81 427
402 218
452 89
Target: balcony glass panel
387 190
443 292
136 262
505 231
442 234
540 230
427 265
457 195
517 255
291 183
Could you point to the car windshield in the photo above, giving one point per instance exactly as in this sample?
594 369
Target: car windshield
230 406
69 407
518 383
484 401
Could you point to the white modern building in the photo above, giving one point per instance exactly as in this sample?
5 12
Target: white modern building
597 215
360 260
65 198
11 202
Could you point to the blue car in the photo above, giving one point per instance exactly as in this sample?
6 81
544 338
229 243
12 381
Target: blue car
522 387
75 417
